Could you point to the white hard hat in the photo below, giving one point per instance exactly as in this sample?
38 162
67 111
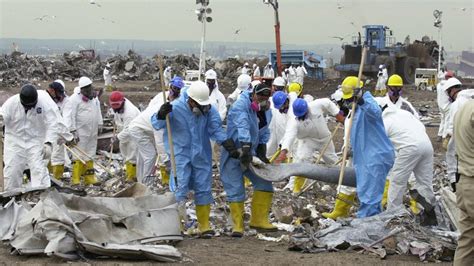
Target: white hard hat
269 63
254 65
243 81
255 83
451 83
84 81
279 81
60 82
337 95
380 66
199 92
211 74
246 64
108 65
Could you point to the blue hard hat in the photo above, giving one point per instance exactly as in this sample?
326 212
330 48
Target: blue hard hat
177 82
300 107
279 99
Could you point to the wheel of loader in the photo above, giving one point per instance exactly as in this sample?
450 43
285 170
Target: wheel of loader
407 68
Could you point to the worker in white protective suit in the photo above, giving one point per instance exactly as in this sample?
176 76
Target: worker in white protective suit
216 97
268 71
107 77
168 75
256 71
394 96
309 128
56 91
30 130
382 77
124 112
458 97
245 69
292 73
149 142
443 104
83 117
300 74
414 154
243 84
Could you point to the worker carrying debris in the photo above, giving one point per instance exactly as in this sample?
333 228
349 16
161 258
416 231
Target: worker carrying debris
308 127
464 135
247 126
280 108
382 77
107 77
193 122
458 97
31 127
268 71
372 151
124 113
83 117
394 96
414 155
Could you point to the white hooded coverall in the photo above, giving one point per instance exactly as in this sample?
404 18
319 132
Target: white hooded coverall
122 122
268 72
107 77
414 153
300 74
461 98
25 135
84 117
444 105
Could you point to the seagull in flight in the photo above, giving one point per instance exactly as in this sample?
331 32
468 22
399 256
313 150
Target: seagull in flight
337 37
93 2
108 20
237 31
41 18
339 6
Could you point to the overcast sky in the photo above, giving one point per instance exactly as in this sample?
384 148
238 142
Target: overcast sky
302 21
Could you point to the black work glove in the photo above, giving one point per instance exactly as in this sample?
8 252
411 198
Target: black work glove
453 186
262 153
246 155
229 146
165 109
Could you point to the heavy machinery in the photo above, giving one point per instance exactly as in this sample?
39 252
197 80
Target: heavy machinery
399 58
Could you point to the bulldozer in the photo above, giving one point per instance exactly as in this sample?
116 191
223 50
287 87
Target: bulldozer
399 58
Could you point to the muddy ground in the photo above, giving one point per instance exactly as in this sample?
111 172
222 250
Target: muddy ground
249 250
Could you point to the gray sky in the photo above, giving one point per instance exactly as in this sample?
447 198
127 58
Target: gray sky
302 21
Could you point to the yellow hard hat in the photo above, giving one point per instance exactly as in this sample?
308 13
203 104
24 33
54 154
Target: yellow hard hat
295 87
395 81
348 85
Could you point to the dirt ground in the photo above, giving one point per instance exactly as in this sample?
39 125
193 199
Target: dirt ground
248 250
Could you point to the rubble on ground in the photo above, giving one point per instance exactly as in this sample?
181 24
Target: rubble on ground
18 68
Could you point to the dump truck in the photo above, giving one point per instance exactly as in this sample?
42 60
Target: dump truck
399 58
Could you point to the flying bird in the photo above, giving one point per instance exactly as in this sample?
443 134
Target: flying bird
339 6
237 31
108 20
93 2
41 18
337 37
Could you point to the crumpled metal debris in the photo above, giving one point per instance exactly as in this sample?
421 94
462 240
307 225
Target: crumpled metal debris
429 244
63 224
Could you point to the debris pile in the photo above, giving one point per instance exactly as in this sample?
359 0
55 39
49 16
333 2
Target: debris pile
18 68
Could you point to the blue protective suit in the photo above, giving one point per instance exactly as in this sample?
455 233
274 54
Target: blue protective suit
243 125
373 155
192 148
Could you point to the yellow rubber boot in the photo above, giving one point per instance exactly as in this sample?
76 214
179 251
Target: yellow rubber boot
261 204
247 182
385 194
131 171
341 208
89 175
58 171
413 207
165 177
202 213
77 171
299 183
237 213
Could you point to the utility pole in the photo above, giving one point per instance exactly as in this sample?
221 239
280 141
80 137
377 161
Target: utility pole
202 12
438 14
274 4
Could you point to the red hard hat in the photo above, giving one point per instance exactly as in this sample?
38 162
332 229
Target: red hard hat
116 99
449 74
